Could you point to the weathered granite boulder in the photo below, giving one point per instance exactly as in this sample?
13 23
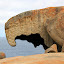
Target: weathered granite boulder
48 23
2 55
48 58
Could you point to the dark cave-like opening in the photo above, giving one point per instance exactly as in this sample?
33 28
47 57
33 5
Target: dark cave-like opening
35 39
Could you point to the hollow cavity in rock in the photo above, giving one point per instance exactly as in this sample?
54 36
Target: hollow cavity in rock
35 39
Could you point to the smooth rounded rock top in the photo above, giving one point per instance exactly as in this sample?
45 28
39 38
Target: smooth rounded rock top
2 55
48 58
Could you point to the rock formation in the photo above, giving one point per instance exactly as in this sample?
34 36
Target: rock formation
52 49
49 58
2 55
46 23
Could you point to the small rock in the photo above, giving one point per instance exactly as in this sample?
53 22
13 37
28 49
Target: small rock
2 55
52 49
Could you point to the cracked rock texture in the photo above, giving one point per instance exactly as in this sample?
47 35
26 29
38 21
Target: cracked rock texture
48 22
48 58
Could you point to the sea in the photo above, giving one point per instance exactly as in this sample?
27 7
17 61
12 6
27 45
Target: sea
22 48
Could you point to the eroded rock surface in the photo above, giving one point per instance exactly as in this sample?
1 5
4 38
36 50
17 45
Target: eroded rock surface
47 22
52 49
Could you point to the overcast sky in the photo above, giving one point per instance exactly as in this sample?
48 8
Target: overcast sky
9 8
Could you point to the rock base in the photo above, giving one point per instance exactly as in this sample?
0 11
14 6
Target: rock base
48 58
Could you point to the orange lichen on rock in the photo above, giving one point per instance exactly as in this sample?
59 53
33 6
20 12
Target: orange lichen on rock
47 22
49 58
2 55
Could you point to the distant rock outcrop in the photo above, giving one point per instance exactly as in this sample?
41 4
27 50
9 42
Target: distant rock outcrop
47 23
2 55
49 58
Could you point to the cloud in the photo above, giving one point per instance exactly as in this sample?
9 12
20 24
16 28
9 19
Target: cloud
2 31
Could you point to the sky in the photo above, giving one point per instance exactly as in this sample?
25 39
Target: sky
10 8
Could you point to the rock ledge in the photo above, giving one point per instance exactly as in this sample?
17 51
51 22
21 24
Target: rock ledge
48 58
